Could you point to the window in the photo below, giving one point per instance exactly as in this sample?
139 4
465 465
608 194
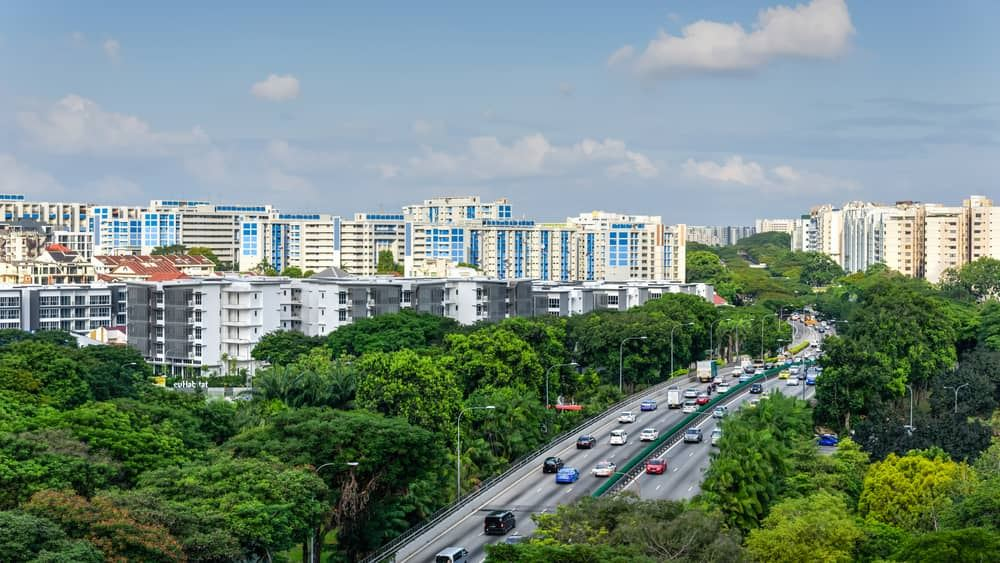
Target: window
553 302
342 298
612 300
342 316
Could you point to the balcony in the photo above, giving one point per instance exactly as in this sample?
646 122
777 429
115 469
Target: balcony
243 322
236 340
239 305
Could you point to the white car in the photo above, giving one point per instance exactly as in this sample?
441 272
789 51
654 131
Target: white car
716 436
690 407
604 469
649 434
792 381
619 438
626 417
690 393
794 370
722 387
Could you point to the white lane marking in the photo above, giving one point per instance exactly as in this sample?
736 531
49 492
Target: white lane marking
691 454
676 469
568 491
539 490
658 487
691 487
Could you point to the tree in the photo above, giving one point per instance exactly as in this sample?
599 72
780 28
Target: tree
979 507
410 385
989 329
171 249
313 380
387 264
949 546
496 358
265 269
283 347
979 279
704 266
842 472
23 535
813 528
113 371
44 372
207 253
388 333
819 269
372 501
292 272
912 491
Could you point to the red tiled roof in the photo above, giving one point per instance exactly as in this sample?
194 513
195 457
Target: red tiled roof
719 300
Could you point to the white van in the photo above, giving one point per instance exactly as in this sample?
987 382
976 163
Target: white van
452 555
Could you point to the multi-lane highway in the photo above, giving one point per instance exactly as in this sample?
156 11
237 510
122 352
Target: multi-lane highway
529 491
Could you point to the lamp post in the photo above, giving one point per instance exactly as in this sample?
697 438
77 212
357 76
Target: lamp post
574 364
711 338
312 531
762 319
751 319
672 346
909 427
458 449
956 389
621 350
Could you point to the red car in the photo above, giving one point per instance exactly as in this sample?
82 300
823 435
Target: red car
702 399
656 466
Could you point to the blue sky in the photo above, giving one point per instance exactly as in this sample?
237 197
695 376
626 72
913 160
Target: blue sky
702 112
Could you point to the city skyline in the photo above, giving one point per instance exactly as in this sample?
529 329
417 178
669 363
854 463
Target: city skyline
345 108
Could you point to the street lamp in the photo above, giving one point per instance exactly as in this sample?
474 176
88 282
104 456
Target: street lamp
312 531
956 389
621 350
762 319
672 346
751 319
458 449
574 364
711 338
909 427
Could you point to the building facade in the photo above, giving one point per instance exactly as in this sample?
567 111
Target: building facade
73 308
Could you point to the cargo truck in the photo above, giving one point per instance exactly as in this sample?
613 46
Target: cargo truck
707 370
674 398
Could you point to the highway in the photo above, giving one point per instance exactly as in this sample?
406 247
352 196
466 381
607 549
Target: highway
529 491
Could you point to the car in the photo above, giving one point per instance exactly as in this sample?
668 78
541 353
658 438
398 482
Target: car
604 469
702 399
756 388
656 466
801 376
690 393
827 440
792 382
567 475
716 436
618 438
514 538
689 407
769 365
794 370
648 405
499 522
745 377
788 361
626 417
585 442
552 464
692 435
811 379
754 402
783 374
649 434
720 412
722 388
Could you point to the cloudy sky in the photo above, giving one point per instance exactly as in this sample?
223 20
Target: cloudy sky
702 112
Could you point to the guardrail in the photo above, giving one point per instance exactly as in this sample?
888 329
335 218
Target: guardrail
387 552
620 480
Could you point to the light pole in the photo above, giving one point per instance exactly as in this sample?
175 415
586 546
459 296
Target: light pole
956 389
751 319
312 531
909 427
711 338
621 350
762 319
574 364
672 346
458 449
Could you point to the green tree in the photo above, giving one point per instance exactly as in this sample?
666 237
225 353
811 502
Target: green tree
292 272
819 269
388 333
387 264
989 325
113 371
44 372
912 491
313 380
410 385
498 358
171 249
283 347
704 266
979 279
207 253
952 546
813 528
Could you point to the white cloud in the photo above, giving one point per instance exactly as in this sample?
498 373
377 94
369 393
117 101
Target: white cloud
115 189
281 181
301 159
276 88
621 55
736 170
487 158
18 178
821 29
567 90
78 38
112 48
424 128
387 171
77 125
211 167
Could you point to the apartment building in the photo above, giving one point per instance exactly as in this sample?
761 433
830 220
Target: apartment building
199 326
54 265
61 216
566 299
787 226
449 210
302 240
357 243
73 308
983 220
720 235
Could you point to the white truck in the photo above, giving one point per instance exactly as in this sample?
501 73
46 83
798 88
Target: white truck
707 370
674 398
746 365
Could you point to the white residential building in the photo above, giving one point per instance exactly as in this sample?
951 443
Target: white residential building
359 242
74 308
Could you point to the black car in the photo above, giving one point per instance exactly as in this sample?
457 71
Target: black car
585 442
552 465
756 388
499 522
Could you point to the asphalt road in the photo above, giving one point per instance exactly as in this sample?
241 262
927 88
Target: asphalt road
529 491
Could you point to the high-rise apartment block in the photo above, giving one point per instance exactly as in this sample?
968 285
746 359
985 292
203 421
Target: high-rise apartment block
922 240
721 235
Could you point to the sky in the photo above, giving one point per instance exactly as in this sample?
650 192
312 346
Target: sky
701 112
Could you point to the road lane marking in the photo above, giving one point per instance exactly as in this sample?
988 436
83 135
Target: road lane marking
658 487
691 487
676 469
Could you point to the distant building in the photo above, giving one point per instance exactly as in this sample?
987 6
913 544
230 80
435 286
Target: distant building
152 268
722 235
787 226
54 265
73 308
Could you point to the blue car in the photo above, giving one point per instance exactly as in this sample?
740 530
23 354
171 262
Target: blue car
827 440
745 377
648 405
567 475
811 379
